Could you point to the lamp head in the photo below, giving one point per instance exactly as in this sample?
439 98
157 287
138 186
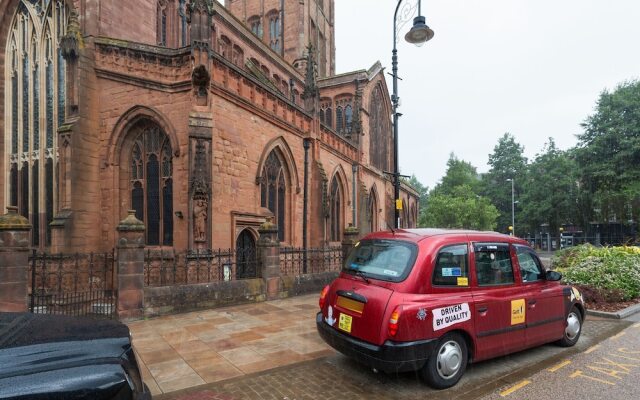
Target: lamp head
420 32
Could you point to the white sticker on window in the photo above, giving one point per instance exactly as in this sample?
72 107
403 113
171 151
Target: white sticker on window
447 316
389 272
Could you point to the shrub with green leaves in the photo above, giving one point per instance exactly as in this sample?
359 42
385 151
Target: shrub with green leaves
608 268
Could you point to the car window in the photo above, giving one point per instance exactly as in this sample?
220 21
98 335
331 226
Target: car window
530 270
389 260
493 265
451 268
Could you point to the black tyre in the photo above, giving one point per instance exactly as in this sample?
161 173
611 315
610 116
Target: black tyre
573 329
447 364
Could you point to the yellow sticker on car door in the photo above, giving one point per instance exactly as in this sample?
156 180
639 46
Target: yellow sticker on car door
517 311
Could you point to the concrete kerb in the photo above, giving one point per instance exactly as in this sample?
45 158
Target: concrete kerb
622 314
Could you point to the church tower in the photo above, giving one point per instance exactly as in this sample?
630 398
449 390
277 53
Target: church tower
289 26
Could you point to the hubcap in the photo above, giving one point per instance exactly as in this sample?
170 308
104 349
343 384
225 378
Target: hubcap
573 326
449 359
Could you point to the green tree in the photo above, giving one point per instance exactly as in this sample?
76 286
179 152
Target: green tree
456 203
423 192
506 162
608 154
550 190
459 173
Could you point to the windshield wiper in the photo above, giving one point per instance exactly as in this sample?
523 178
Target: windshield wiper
361 275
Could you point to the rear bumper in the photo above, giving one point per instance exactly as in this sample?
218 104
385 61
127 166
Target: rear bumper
389 357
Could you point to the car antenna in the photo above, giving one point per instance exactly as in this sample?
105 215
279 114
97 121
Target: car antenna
389 226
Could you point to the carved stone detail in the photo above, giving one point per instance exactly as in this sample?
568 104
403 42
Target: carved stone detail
200 192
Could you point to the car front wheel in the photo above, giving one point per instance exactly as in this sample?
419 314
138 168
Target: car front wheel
447 364
573 329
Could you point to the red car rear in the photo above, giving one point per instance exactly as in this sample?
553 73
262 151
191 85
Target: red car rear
434 300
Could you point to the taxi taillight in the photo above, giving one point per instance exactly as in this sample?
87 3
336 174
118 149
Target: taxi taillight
323 297
394 321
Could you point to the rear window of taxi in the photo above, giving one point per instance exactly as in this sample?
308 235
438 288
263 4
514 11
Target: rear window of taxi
387 260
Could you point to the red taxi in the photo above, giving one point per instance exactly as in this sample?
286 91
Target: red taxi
434 300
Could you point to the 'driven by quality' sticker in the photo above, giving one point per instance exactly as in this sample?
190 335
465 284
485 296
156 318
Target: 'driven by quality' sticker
447 316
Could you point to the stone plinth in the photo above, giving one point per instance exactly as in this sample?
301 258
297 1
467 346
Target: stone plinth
269 258
14 261
349 239
130 267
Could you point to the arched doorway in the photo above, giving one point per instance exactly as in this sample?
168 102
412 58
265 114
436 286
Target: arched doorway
246 257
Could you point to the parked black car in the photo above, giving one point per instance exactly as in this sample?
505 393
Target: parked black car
55 357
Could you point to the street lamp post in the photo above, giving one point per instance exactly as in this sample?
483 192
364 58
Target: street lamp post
513 205
419 34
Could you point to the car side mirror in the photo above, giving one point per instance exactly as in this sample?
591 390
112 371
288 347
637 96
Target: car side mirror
553 276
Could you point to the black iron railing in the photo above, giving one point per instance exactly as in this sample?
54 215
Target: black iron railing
75 284
297 261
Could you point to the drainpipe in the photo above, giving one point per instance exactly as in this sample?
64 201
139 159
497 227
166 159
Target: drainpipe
354 170
306 144
282 28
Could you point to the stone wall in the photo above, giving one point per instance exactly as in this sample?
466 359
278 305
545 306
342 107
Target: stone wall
177 299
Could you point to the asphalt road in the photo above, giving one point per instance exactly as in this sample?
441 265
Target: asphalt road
337 377
608 370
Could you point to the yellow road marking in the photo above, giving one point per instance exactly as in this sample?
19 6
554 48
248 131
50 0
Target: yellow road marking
558 366
579 374
591 349
515 387
618 335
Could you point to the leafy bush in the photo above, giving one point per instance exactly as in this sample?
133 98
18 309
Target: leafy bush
610 271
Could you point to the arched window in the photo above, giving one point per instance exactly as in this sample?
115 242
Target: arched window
274 31
348 118
339 126
329 117
322 121
379 132
152 183
273 190
335 215
161 32
372 211
256 26
35 107
225 47
182 16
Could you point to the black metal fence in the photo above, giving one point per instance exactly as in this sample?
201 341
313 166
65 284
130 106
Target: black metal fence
168 268
76 284
298 261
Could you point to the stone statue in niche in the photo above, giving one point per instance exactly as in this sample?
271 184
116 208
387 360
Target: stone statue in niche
200 215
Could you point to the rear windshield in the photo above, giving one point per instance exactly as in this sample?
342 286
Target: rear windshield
387 260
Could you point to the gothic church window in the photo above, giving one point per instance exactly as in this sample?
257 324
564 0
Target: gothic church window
35 81
339 120
274 31
379 132
273 190
255 24
182 16
336 210
151 183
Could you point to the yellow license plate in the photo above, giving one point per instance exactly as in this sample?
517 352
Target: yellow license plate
344 322
350 305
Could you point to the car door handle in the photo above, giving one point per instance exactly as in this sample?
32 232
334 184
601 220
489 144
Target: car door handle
532 302
482 309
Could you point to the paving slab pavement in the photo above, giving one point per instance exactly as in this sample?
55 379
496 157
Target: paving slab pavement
271 350
181 351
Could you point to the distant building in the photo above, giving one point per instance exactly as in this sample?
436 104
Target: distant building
194 115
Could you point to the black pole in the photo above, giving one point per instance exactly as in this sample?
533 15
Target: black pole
306 143
394 101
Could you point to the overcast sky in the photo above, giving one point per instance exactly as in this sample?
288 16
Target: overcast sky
533 68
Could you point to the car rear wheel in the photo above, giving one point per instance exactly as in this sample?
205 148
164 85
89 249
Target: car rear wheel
573 329
447 363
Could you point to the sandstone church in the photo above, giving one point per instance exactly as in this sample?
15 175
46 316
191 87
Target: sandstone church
207 119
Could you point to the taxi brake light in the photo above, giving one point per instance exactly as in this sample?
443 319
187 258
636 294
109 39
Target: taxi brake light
323 297
394 320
